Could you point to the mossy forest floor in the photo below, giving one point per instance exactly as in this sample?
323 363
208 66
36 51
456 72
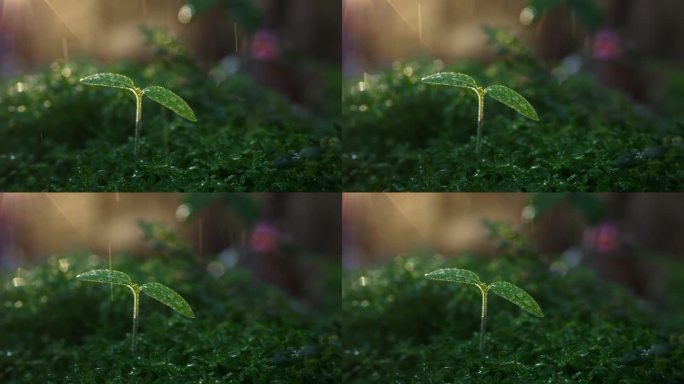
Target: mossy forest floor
403 135
56 329
399 327
59 135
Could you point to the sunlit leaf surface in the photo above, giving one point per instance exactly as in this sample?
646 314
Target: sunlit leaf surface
105 276
455 275
451 79
168 296
109 80
170 100
513 100
516 296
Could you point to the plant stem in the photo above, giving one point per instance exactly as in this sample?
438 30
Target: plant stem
483 320
138 117
136 300
480 117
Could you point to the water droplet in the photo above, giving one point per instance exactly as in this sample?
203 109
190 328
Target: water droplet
63 265
185 13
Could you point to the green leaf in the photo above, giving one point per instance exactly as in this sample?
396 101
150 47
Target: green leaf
516 296
171 101
105 276
112 80
168 296
451 79
513 100
454 275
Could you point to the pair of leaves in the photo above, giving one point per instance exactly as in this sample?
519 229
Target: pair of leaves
159 94
159 292
508 291
503 94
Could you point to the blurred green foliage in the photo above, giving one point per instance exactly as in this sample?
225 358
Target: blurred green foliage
590 206
245 206
400 327
587 12
244 12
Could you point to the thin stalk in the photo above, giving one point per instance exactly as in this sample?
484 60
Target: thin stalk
111 286
480 117
483 320
136 300
138 117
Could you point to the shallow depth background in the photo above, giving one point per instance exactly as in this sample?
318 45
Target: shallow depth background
612 39
279 237
627 238
282 44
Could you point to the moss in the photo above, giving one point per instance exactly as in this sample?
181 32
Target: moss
400 327
59 135
58 329
403 135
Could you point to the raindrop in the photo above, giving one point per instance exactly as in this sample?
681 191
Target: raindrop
185 13
527 16
66 72
63 265
20 87
21 109
18 304
182 212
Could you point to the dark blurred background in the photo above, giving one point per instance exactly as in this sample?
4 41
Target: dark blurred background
284 239
623 43
292 46
629 238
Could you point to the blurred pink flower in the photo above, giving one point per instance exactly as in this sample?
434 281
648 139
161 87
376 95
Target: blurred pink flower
604 238
264 45
264 238
607 45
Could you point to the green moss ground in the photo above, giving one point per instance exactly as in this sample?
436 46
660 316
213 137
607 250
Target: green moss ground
403 135
59 135
399 327
56 329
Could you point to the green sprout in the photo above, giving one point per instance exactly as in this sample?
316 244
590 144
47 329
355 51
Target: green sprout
500 93
159 292
159 94
504 289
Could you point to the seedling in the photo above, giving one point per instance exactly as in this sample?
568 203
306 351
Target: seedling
159 94
500 93
504 289
159 292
